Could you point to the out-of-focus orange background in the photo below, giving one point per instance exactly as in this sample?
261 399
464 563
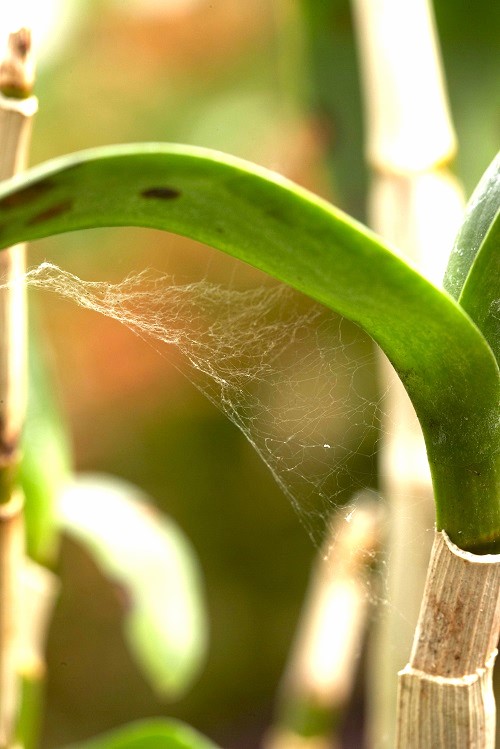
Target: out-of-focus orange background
231 75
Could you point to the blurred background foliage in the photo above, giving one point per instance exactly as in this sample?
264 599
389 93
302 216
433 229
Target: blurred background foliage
274 81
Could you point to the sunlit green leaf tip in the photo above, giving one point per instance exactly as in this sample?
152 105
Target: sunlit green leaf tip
150 734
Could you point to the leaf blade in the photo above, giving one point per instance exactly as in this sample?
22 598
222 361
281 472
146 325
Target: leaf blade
480 213
267 221
480 295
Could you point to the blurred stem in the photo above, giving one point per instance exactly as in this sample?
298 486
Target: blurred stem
415 203
328 79
30 714
39 589
11 560
320 675
17 108
290 53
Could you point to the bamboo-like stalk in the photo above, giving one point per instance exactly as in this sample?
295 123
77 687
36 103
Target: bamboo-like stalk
17 108
323 663
445 696
417 204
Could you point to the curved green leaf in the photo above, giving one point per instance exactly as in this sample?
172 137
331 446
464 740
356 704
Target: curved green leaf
480 213
443 360
480 296
149 558
149 734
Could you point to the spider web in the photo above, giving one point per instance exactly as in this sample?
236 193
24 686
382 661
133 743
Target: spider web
294 378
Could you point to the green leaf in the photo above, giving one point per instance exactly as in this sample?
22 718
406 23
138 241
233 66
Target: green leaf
149 734
480 213
443 360
480 296
148 557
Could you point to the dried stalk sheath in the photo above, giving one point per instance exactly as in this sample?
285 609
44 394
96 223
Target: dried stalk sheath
445 694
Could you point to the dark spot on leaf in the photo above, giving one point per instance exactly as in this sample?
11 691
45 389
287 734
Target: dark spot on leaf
26 195
55 210
274 213
161 193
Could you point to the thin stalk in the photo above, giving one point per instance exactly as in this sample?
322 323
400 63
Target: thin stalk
38 589
11 558
16 113
415 203
324 660
17 108
445 696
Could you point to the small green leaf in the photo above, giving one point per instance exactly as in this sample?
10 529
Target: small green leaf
145 554
149 734
479 215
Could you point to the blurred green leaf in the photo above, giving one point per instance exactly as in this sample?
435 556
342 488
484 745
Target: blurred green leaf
480 214
257 216
333 95
46 458
150 734
148 557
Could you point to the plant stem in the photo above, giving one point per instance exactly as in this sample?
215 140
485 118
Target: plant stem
320 675
16 112
416 204
17 108
39 589
406 105
445 694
